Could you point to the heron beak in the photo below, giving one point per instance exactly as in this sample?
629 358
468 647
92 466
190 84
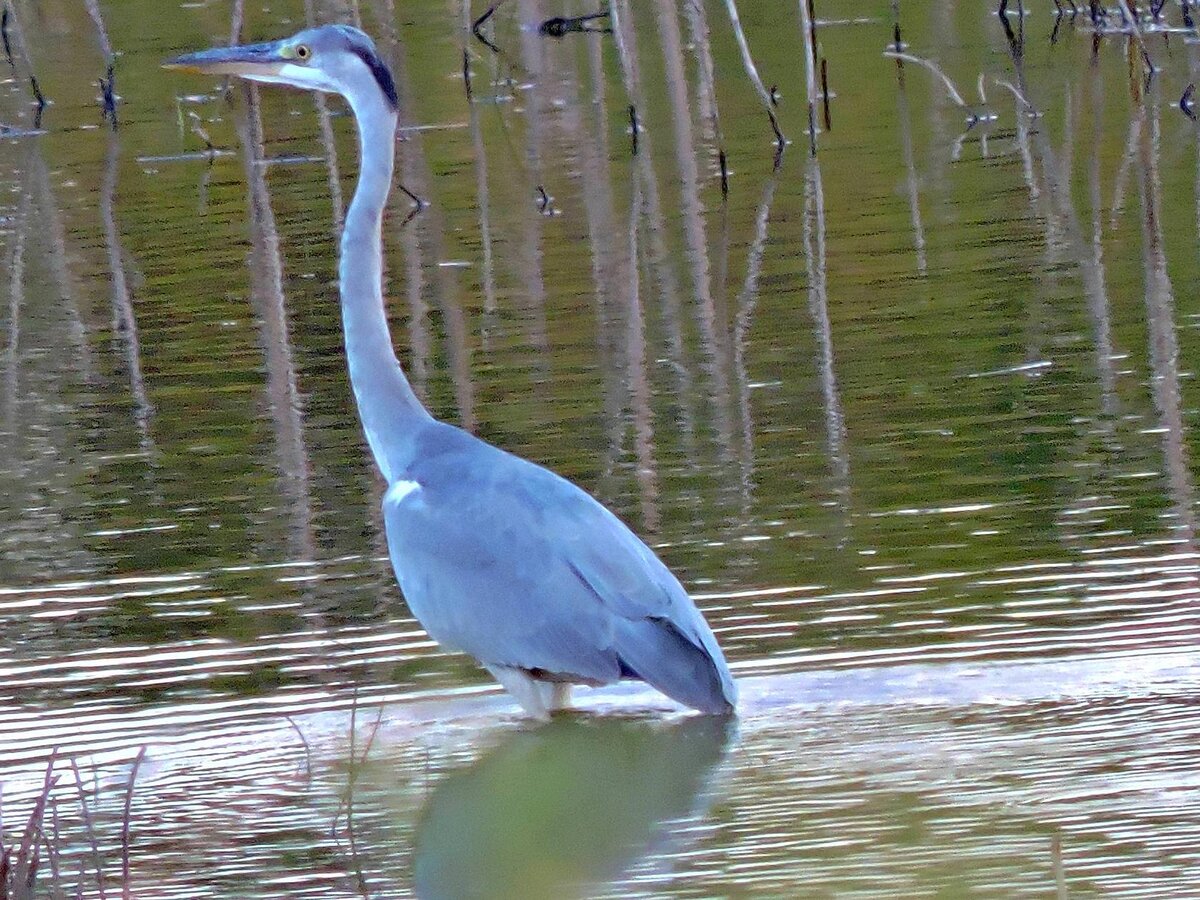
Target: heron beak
248 60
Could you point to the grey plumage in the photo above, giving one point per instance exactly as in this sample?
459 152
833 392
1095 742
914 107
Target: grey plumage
506 561
496 556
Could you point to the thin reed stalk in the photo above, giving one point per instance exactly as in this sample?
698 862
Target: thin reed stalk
137 762
810 70
932 67
752 71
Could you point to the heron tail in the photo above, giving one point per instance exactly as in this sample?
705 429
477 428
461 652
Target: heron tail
660 654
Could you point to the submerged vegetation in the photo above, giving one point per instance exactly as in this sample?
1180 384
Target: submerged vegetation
57 851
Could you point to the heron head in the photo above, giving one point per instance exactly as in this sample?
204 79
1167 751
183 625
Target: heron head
333 58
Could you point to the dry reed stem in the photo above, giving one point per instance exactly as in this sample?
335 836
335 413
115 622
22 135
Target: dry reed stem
752 70
932 67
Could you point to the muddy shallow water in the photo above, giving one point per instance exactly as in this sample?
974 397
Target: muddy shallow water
912 418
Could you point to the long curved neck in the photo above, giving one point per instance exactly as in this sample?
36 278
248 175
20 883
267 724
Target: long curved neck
390 412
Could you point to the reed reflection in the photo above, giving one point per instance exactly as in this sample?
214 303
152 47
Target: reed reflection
41 461
616 286
910 168
58 258
746 303
16 301
1091 264
818 307
1142 150
574 804
124 322
327 143
530 254
1163 337
1094 281
424 239
483 202
607 258
658 257
270 314
639 382
694 228
706 86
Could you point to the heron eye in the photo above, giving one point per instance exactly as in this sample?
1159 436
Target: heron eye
302 52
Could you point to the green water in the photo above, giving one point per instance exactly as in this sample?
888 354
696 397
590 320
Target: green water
913 419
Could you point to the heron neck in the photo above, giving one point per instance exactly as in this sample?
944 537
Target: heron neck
390 412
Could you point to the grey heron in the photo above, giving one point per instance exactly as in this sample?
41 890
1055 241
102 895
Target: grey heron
496 556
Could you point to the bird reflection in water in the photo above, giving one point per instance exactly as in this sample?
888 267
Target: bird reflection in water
565 807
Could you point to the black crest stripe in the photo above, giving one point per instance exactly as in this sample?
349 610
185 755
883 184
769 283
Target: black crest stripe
381 72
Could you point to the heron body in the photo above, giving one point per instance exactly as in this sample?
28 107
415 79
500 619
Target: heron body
496 556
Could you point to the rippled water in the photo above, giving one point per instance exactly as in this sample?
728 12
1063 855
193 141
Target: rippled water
912 418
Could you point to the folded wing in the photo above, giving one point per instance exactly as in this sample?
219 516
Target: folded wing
518 567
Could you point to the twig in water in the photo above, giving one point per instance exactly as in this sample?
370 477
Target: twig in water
89 828
304 741
560 26
932 67
108 98
752 71
1016 41
412 214
52 842
39 101
349 805
811 7
1186 104
629 77
479 23
4 35
466 72
337 814
1029 107
808 34
371 738
22 871
825 93
418 203
352 777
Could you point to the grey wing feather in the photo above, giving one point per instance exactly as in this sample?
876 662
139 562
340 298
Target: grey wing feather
661 635
509 562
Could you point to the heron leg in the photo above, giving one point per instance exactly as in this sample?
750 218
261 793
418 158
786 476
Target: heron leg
525 690
559 698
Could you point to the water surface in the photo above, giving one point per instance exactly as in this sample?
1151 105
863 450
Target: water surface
912 418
